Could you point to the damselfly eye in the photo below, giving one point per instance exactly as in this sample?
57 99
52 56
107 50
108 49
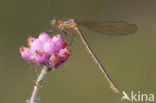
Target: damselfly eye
55 22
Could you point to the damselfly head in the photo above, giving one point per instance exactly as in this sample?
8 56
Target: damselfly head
55 22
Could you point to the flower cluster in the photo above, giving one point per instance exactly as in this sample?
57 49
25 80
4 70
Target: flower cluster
45 50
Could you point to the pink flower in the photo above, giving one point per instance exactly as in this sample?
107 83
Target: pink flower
46 51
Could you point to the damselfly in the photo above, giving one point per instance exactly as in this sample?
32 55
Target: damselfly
110 28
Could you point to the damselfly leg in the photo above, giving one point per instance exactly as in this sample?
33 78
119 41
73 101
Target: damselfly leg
72 34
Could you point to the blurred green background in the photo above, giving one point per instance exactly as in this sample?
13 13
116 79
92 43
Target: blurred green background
130 60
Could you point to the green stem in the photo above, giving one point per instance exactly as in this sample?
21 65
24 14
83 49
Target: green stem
38 84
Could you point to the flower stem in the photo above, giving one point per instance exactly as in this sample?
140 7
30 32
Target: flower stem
38 84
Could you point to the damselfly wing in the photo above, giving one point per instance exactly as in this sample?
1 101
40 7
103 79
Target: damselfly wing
110 27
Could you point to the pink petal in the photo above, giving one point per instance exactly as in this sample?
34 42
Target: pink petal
40 57
36 45
60 57
49 47
55 60
64 53
30 40
57 40
26 53
44 36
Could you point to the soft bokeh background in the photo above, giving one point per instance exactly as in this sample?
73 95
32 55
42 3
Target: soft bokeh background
130 60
